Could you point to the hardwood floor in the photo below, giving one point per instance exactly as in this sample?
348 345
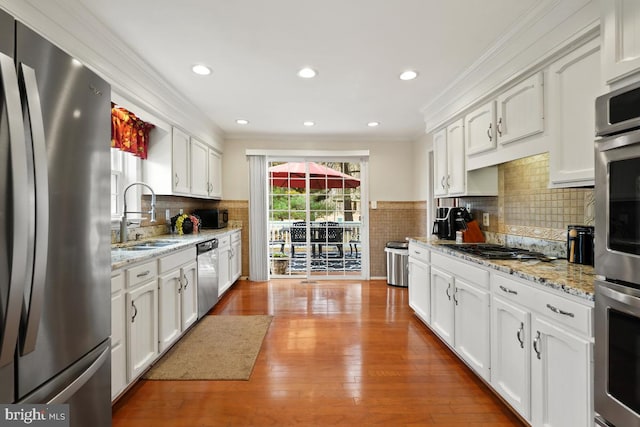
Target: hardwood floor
337 353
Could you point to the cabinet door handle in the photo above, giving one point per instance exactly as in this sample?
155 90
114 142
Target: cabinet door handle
186 279
146 273
176 180
520 335
499 126
454 296
135 311
536 343
442 182
559 311
448 181
490 133
507 290
180 285
447 292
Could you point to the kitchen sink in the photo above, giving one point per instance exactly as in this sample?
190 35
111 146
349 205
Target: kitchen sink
134 248
154 244
148 245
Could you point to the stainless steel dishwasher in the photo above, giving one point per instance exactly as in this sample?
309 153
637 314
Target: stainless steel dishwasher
207 276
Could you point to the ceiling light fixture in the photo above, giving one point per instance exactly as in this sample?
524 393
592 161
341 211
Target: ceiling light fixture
309 123
242 121
373 124
201 70
408 75
307 73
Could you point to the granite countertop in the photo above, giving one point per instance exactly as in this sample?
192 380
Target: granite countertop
120 258
573 279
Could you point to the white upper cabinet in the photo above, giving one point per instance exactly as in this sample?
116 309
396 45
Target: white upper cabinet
573 83
455 158
199 169
180 161
509 127
449 160
451 176
181 165
440 162
621 38
215 175
520 110
480 129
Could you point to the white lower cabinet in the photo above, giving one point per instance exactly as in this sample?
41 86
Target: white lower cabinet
236 256
177 299
152 304
118 345
442 316
561 380
534 347
229 260
460 310
142 327
224 264
471 326
419 283
511 354
541 354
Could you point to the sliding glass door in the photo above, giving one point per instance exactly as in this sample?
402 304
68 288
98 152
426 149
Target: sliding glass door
315 219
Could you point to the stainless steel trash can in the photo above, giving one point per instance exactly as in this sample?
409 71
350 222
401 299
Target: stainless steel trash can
397 262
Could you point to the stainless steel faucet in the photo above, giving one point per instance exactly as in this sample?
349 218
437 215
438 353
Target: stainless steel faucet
123 222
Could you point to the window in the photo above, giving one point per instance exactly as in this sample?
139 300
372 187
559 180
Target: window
125 169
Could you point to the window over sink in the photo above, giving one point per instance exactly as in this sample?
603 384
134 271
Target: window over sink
125 169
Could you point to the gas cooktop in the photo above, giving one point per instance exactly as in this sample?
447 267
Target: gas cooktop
493 251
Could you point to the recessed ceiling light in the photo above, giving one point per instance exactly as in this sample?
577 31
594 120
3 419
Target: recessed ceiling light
307 73
408 75
242 121
309 123
201 70
373 124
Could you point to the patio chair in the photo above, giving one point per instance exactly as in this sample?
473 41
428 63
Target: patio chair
298 234
331 233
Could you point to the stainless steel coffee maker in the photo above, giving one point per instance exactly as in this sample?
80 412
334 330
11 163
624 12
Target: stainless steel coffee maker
445 224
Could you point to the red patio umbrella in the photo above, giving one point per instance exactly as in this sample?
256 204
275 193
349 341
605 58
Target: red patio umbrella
292 175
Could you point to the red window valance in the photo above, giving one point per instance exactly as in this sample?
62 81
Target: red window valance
128 132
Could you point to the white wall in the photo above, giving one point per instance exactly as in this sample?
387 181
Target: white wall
421 148
391 165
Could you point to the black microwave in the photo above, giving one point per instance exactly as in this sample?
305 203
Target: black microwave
212 218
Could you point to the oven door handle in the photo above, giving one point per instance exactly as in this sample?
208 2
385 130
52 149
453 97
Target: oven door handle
621 297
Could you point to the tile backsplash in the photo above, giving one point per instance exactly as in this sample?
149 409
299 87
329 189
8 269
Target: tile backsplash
526 208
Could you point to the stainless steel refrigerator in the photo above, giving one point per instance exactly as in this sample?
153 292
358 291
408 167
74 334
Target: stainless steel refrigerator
54 228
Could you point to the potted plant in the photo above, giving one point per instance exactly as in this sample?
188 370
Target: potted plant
280 263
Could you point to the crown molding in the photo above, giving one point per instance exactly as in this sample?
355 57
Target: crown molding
317 138
74 29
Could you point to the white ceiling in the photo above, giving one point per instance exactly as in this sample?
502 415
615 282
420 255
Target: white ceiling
358 47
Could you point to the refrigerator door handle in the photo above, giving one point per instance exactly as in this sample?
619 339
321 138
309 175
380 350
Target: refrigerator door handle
33 306
19 227
79 382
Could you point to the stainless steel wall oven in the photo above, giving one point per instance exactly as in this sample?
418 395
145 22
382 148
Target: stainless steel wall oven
617 258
